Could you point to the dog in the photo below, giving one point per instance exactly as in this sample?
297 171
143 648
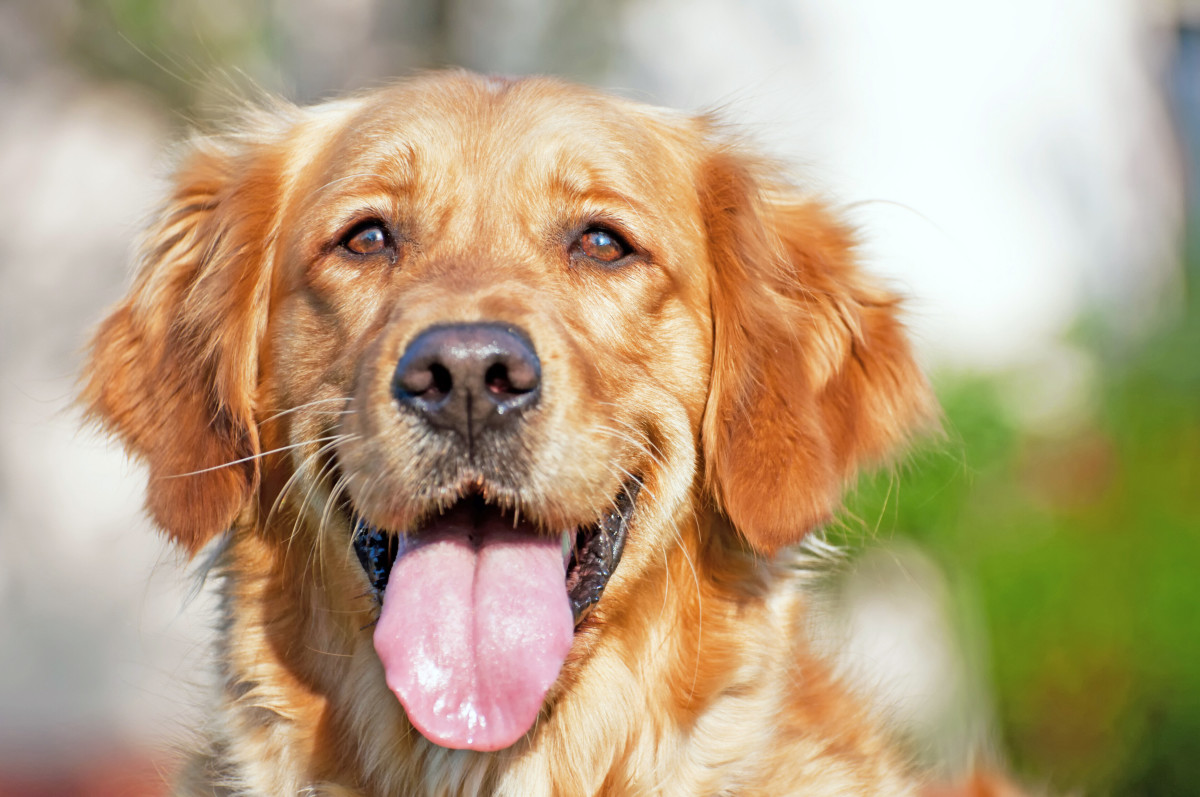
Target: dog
501 407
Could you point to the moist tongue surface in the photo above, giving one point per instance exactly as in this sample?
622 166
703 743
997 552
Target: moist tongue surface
474 629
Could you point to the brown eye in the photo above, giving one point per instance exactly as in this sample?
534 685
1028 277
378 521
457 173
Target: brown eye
369 239
602 245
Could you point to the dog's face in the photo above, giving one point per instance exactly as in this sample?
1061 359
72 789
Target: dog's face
492 317
487 353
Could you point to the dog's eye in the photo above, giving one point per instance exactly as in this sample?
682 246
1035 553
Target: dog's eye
602 245
367 239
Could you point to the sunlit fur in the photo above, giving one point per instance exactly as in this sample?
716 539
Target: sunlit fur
741 366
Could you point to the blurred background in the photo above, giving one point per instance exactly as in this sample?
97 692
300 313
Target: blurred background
1024 591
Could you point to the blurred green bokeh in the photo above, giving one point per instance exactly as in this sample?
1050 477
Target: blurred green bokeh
1080 548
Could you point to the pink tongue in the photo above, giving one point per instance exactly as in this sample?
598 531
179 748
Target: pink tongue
471 636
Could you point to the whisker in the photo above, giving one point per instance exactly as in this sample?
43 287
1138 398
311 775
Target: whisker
339 487
277 504
254 457
315 551
635 437
316 479
309 405
330 653
641 483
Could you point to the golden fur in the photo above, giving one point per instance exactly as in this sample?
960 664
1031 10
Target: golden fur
743 367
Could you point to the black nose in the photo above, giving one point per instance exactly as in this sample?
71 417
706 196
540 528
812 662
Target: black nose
469 377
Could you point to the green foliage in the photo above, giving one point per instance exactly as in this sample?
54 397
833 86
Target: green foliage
1081 547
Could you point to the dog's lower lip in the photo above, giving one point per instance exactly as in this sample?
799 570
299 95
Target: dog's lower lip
376 552
590 562
599 552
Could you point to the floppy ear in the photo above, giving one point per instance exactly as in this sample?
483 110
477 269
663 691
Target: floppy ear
173 368
812 373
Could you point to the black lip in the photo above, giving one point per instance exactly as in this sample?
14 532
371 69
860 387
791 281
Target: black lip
598 549
376 553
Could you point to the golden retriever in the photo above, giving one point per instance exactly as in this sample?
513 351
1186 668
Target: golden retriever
509 401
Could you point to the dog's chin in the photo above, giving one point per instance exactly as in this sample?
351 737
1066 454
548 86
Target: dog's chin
478 607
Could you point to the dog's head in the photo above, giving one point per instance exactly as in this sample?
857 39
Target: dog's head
490 348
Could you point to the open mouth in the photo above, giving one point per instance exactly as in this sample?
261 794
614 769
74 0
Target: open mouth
591 553
478 610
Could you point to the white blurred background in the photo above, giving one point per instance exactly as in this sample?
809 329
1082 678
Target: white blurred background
1011 166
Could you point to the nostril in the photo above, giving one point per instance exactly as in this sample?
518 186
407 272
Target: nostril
497 381
441 380
430 381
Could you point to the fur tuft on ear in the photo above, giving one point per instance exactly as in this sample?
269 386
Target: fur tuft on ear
172 370
812 373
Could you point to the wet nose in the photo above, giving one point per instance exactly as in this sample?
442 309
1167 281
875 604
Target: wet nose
469 377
